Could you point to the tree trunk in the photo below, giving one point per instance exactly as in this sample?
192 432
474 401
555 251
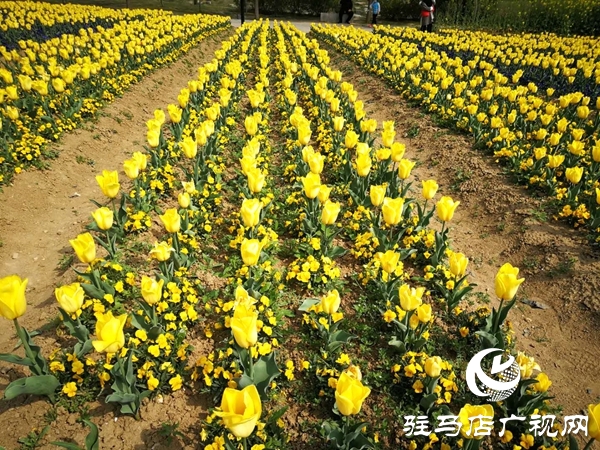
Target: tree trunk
126 3
256 15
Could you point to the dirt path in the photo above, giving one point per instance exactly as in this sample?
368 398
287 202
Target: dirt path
500 222
41 211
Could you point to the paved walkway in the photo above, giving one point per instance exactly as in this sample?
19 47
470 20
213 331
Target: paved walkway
305 26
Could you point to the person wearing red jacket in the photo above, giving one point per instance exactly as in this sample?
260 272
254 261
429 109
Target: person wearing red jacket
427 10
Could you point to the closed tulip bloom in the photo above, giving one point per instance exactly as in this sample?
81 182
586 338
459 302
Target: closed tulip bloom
430 188
351 139
383 154
59 85
12 112
330 302
240 410
316 162
469 422
392 210
323 194
161 251
184 200
574 174
307 153
507 282
555 161
152 290
250 250
190 147
70 297
543 383
153 138
256 180
25 82
350 394
398 150
404 168
330 212
410 298
583 112
338 123
458 264
377 194
304 133
12 297
131 169
174 113
596 152
159 116
312 184
555 138
387 138
247 162
250 212
251 125
594 421
597 196
389 261
171 220
200 136
424 313
103 218
363 165
445 208
244 325
109 183
433 366
109 333
85 247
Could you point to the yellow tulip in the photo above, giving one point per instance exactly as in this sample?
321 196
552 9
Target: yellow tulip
363 165
184 200
424 313
389 261
392 210
574 174
58 85
387 138
555 161
25 82
507 282
12 297
350 394
316 162
244 325
250 250
596 151
152 290
256 180
109 333
171 220
200 136
153 138
174 113
307 153
433 366
555 138
377 194
338 123
304 133
330 212
312 184
161 251
159 116
598 196
131 168
445 208
458 264
583 112
70 297
190 147
383 154
404 168
247 162
351 139
398 150
430 188
103 218
251 125
543 383
539 153
330 302
323 194
240 410
410 298
250 212
594 421
109 183
85 247
469 423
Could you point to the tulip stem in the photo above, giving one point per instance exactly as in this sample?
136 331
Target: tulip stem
245 443
588 446
23 336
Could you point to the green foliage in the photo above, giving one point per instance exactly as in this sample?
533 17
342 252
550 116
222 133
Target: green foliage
306 7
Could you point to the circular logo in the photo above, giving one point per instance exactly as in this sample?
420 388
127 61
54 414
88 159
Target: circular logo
502 379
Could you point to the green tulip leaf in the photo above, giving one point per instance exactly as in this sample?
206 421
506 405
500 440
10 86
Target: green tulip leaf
14 359
308 303
92 441
398 344
122 398
35 385
264 371
82 349
428 401
92 291
573 445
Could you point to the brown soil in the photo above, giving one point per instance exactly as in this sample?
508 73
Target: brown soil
41 211
498 222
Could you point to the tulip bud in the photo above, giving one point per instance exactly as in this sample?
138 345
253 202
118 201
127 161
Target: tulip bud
190 147
109 183
392 210
404 168
507 283
330 302
12 297
445 208
171 220
330 212
312 184
85 247
70 297
250 250
161 251
430 188
131 169
350 394
103 218
109 333
433 366
377 194
250 212
152 290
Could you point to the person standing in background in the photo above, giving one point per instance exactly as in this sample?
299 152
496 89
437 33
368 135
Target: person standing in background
427 9
346 8
375 9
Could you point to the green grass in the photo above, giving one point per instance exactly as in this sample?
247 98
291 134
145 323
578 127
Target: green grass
176 6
